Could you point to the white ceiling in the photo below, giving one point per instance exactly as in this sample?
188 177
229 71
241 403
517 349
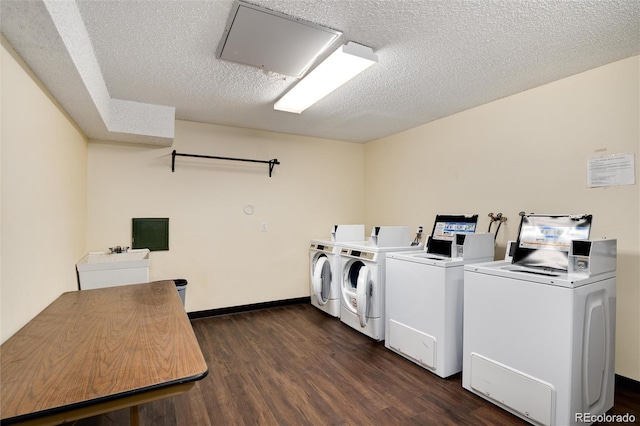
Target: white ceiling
122 69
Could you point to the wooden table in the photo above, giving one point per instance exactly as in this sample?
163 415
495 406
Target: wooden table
95 351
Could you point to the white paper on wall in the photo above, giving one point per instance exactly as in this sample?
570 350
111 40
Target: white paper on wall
618 169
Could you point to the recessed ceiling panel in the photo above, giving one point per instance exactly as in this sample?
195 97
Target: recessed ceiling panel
273 41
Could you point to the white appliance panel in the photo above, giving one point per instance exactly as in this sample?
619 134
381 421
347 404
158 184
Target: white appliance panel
507 387
412 344
552 332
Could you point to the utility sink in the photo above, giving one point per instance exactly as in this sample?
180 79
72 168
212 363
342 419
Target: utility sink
104 269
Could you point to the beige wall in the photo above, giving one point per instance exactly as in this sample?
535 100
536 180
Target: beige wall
44 186
221 251
527 152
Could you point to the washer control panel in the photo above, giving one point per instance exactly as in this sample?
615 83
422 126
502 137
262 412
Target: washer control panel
358 254
322 247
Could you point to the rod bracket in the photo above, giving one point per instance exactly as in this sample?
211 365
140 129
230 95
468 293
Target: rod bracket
272 164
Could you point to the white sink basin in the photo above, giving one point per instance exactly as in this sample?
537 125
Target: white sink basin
104 269
97 260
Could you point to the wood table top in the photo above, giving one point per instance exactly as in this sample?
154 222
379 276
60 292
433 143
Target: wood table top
90 346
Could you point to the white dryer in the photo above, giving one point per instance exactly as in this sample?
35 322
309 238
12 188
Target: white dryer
363 275
324 264
539 333
424 295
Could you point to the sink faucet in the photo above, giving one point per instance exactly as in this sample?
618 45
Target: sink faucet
118 249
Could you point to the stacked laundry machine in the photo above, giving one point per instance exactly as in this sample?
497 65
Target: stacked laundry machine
539 330
424 294
324 264
362 280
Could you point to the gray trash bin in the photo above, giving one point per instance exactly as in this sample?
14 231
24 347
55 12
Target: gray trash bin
181 286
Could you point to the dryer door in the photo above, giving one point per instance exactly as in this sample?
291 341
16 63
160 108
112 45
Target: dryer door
350 275
321 279
363 294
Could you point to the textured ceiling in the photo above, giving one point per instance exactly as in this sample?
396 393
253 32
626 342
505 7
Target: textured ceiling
119 68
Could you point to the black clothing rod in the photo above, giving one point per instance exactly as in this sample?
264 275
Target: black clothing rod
271 163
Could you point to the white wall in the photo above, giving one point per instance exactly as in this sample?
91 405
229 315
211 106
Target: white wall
219 249
527 152
44 187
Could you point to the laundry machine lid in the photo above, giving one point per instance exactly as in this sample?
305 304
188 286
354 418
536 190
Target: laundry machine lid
544 240
445 229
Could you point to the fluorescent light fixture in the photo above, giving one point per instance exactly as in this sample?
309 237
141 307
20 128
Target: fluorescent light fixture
339 67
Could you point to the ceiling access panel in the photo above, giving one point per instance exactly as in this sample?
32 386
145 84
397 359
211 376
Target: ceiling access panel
273 41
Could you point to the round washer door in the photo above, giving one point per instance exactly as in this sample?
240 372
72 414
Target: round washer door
356 289
321 279
363 294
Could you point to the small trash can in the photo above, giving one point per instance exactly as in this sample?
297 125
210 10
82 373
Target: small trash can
181 286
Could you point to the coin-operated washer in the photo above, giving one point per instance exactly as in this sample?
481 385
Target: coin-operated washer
362 278
539 331
324 267
424 294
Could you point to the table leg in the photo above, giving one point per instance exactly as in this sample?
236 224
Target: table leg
134 417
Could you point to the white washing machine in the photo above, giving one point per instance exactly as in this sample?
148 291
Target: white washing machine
424 300
324 267
539 341
363 275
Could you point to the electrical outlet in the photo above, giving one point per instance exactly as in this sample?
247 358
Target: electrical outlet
263 226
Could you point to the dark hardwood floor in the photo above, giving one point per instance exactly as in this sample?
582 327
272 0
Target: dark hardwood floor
295 365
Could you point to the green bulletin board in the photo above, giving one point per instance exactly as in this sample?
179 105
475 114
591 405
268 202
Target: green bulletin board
151 233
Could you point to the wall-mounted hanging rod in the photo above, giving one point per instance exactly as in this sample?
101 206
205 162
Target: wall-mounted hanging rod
271 163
